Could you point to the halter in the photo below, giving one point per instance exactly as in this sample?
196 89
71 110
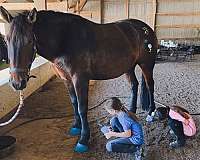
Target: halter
26 70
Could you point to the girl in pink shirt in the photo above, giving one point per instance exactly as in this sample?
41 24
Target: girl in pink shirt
179 121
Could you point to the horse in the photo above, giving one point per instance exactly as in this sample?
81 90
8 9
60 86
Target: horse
3 49
81 50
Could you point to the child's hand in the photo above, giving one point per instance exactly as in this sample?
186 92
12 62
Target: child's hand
109 134
186 122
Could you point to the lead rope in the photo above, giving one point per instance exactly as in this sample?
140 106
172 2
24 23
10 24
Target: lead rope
21 104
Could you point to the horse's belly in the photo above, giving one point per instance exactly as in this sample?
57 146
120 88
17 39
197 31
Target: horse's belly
111 69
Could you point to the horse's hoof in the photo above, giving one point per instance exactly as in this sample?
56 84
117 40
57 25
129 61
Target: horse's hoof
149 119
75 131
81 148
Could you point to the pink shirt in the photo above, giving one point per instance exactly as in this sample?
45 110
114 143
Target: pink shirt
190 128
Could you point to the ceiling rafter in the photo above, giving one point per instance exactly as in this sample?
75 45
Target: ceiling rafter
77 5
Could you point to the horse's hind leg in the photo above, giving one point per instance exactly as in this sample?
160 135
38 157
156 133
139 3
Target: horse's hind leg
134 89
76 127
144 95
148 75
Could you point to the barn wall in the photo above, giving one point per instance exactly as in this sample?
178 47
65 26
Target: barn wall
171 19
178 20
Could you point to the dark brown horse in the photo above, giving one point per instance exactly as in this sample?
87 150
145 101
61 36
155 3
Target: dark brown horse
81 51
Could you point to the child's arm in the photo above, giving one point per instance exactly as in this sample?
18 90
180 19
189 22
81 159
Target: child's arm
177 116
124 134
183 112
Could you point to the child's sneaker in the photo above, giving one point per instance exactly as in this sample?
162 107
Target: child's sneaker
105 129
172 135
176 144
139 154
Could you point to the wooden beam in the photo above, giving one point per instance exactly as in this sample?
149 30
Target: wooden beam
40 4
180 14
62 6
179 26
178 38
17 6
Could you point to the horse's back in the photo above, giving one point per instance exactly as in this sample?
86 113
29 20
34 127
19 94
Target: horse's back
146 38
120 46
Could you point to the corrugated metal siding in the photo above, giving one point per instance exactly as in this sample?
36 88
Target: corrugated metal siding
113 10
143 10
92 11
169 6
170 23
177 26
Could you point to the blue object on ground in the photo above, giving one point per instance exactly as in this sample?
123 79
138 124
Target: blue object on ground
80 148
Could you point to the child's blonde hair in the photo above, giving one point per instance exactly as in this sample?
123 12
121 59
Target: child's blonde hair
117 105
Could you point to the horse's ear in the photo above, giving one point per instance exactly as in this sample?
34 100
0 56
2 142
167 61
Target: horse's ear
5 14
32 16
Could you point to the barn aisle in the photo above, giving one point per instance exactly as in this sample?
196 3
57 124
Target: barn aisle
47 116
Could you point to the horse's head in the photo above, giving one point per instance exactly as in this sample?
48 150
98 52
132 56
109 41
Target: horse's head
21 45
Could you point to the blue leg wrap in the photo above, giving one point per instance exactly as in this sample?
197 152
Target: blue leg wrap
81 148
75 131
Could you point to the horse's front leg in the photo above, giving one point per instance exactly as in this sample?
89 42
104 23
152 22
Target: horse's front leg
76 127
134 90
81 89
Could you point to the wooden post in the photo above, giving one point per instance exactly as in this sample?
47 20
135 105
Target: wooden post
154 14
127 9
40 4
81 4
101 12
77 8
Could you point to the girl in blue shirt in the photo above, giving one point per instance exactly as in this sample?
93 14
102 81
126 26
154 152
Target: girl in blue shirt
124 126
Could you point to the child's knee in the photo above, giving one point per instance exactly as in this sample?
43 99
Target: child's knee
113 121
109 146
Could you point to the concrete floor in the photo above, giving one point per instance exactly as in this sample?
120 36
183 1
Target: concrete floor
46 118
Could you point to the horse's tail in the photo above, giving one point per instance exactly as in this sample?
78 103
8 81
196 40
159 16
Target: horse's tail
144 95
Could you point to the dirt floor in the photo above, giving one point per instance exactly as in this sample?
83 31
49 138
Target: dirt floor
42 127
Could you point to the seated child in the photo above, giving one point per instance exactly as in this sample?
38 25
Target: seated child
179 121
124 126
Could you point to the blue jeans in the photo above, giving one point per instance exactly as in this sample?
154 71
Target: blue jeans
122 145
177 128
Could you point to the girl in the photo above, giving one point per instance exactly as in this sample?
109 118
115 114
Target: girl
179 121
124 126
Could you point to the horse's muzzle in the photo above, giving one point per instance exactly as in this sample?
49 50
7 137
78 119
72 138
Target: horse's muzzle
18 85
